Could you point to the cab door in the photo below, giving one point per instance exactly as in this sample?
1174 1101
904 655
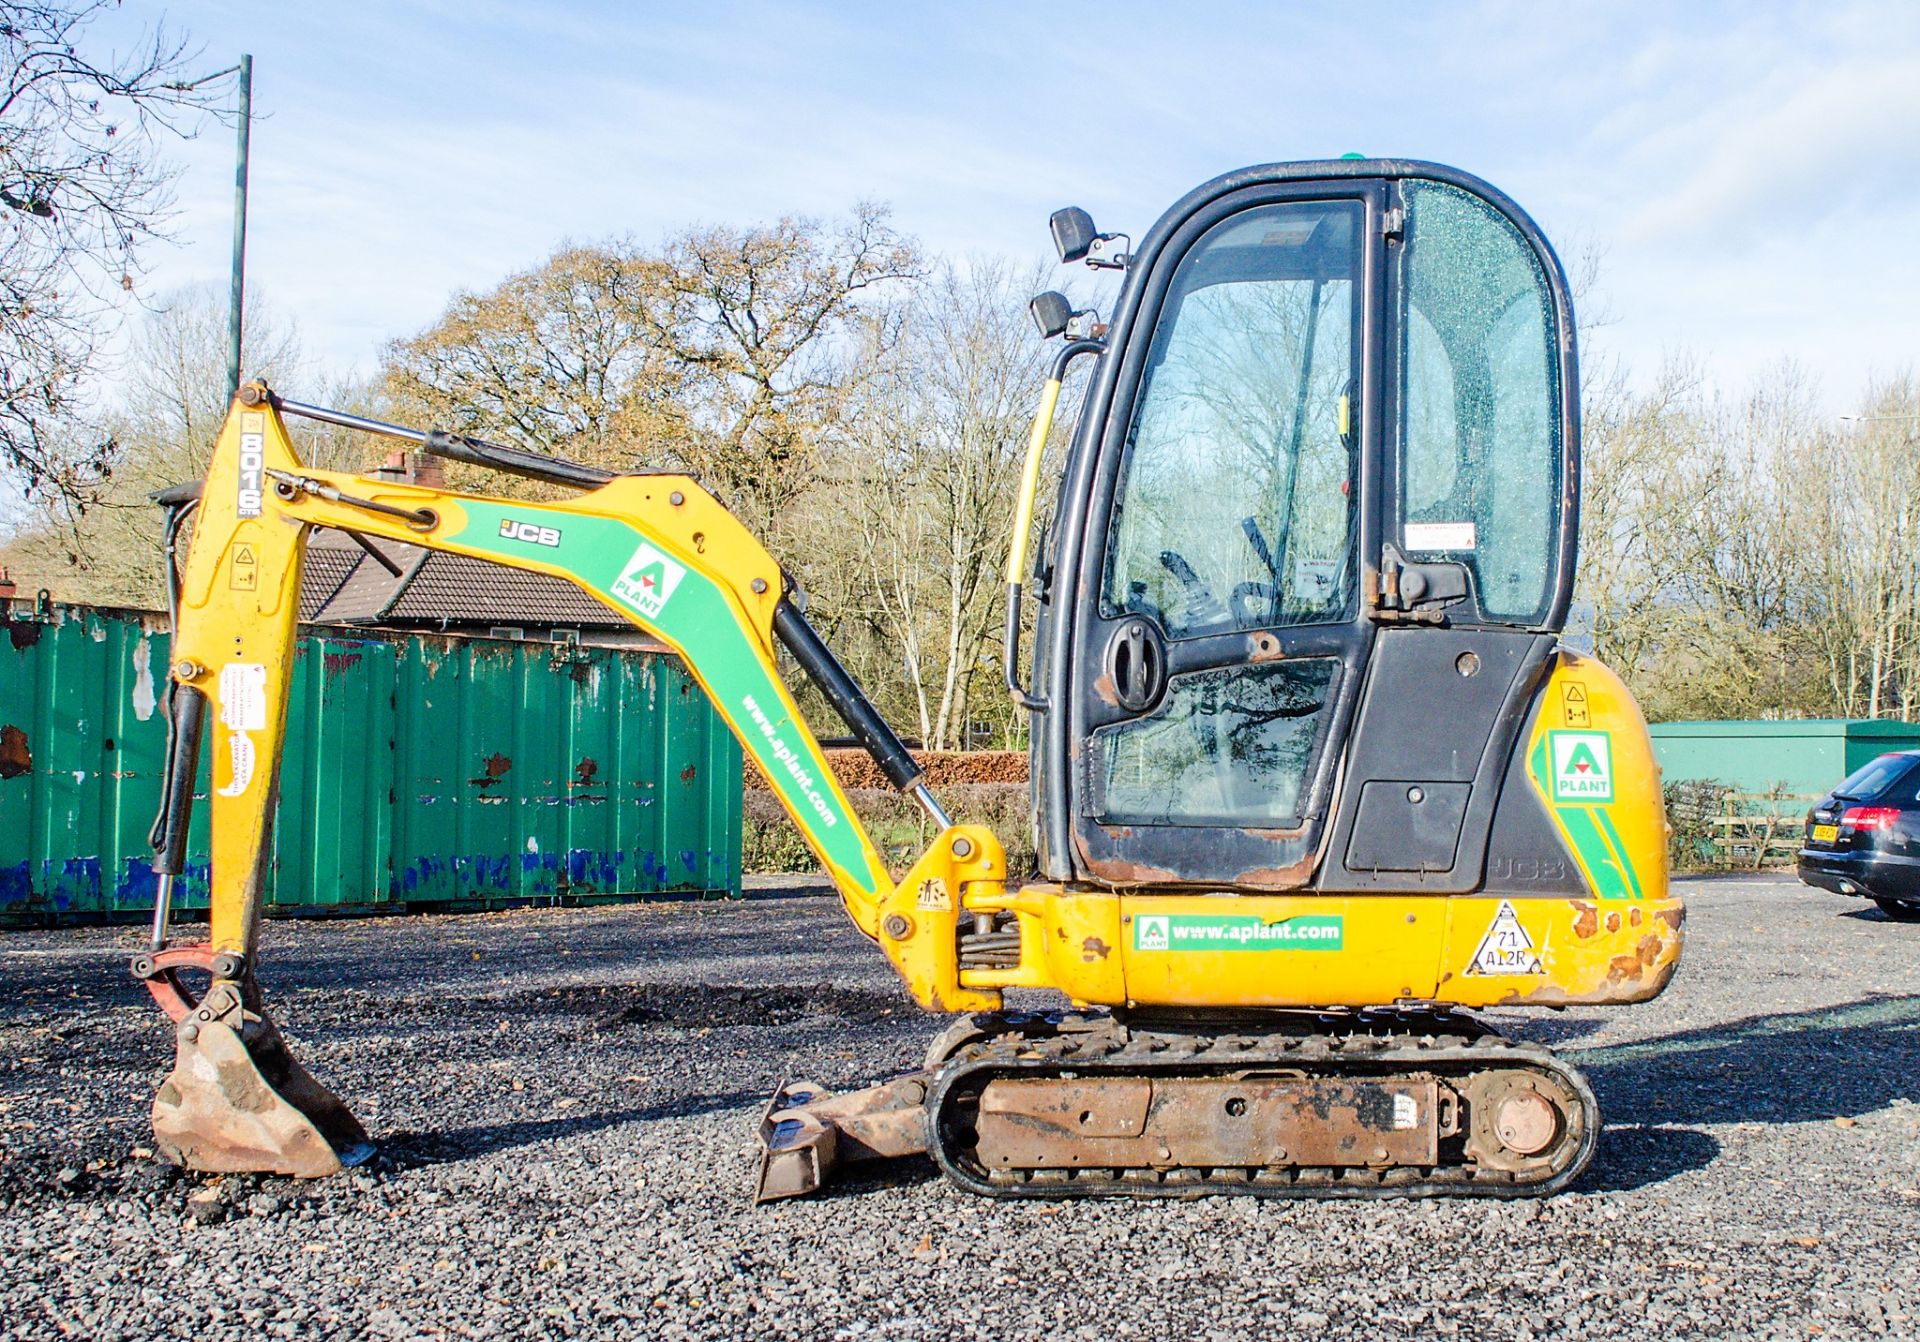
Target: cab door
1221 628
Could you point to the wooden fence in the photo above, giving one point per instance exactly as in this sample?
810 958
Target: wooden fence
1760 829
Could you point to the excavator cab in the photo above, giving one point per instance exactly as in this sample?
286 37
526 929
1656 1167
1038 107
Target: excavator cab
1313 776
1314 543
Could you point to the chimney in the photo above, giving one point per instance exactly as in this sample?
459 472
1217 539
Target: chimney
7 589
411 468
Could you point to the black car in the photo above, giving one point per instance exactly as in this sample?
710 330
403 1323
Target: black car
1863 838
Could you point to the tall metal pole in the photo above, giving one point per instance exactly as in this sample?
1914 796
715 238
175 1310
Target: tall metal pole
235 300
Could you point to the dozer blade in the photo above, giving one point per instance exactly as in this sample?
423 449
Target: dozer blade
237 1102
806 1132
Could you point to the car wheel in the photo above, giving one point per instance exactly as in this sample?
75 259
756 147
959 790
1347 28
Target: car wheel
1899 911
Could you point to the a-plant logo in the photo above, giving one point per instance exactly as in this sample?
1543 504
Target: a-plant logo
1582 766
532 533
1151 933
648 580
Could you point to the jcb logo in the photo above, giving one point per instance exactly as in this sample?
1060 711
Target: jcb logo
529 532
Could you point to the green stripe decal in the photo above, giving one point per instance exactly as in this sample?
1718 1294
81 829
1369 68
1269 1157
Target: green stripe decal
691 611
1612 875
1620 848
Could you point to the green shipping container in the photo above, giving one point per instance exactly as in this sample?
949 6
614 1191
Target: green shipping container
1800 758
420 771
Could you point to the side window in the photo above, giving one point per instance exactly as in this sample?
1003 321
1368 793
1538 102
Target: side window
1480 442
1235 506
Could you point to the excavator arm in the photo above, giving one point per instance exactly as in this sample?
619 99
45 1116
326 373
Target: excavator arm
656 548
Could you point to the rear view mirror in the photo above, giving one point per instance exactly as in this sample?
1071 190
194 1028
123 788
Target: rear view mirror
1073 233
1051 312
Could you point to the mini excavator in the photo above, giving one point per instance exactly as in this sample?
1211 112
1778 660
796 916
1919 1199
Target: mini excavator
1313 777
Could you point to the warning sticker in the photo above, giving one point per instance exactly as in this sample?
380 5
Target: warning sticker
243 575
1506 948
240 747
1441 535
1573 704
243 696
1313 579
1582 764
933 896
243 709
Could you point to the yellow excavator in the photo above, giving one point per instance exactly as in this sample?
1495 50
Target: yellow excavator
1312 775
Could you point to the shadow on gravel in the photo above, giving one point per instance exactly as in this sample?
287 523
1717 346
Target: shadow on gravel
414 1150
610 1006
1794 1067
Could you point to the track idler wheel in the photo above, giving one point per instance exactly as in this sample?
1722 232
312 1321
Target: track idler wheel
236 1100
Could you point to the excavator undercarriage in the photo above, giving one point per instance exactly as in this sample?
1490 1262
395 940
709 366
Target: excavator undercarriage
1367 1104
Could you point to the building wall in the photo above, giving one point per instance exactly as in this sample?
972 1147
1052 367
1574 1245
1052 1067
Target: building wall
1806 757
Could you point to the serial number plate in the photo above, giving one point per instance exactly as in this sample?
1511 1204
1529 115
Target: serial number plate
1825 833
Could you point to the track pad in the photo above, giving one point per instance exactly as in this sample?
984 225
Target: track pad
236 1101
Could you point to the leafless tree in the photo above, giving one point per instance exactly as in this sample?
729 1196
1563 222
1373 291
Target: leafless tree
84 190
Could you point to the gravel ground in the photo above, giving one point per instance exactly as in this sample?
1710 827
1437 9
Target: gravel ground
566 1102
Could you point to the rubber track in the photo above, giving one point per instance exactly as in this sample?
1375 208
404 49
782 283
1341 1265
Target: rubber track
1034 1045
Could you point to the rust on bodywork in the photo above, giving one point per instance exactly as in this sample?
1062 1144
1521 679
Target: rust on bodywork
1290 877
1094 949
495 767
1118 871
1634 976
15 757
1264 646
1586 919
1176 1122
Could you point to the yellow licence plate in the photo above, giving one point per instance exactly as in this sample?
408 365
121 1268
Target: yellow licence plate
1825 833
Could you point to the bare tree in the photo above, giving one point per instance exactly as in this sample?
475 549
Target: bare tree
84 191
164 429
929 468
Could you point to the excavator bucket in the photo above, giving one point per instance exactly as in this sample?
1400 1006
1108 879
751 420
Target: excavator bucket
237 1100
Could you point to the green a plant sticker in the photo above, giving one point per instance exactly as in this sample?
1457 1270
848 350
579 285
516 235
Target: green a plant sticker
648 580
1582 766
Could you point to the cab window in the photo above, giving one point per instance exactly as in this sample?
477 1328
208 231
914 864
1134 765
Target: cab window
1480 449
1235 506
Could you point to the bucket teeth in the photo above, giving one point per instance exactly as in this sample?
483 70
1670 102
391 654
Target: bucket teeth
236 1101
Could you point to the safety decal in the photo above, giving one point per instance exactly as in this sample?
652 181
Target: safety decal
1441 535
1314 579
243 574
1214 932
243 709
933 896
1573 705
648 580
1506 948
1582 765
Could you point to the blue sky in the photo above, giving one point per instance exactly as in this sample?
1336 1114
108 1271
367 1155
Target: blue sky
1750 170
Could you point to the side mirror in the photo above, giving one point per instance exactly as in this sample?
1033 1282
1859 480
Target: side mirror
1073 233
1051 312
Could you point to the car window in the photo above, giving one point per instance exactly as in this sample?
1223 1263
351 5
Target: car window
1873 778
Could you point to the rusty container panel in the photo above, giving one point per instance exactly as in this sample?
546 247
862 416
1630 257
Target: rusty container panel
82 743
528 771
419 771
